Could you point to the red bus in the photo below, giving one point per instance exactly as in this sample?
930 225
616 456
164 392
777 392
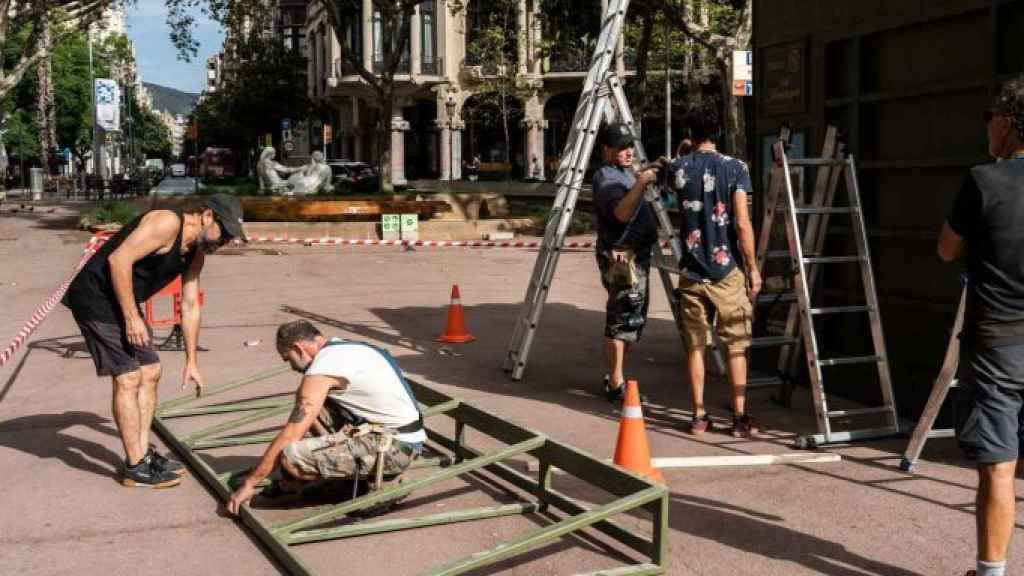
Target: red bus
217 164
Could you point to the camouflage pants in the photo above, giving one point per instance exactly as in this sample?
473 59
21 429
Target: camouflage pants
338 456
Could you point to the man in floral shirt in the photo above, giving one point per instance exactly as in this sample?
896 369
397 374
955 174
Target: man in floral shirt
719 268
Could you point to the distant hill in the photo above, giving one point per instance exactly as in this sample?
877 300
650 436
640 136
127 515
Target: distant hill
170 100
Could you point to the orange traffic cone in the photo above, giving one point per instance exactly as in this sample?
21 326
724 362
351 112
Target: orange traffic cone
632 451
455 331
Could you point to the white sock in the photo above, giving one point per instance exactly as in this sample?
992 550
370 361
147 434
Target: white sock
991 568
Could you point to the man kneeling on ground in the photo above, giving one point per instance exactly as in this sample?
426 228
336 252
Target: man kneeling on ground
354 403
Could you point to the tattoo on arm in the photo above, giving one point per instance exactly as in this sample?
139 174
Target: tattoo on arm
298 414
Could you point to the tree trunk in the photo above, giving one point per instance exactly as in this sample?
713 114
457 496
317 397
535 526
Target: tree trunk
45 106
734 118
384 141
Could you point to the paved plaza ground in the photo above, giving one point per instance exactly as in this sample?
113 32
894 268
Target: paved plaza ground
62 511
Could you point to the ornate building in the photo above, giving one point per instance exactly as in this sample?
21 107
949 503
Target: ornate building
446 93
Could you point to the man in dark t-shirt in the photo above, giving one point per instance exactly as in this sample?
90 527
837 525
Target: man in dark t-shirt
146 255
986 223
626 231
718 243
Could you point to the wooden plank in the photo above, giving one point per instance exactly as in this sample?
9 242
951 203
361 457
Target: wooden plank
745 460
303 210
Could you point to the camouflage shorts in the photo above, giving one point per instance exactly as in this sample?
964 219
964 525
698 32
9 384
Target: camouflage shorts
336 456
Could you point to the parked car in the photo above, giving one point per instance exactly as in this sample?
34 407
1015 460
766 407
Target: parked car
349 176
177 170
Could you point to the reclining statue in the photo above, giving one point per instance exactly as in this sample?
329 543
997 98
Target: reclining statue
302 180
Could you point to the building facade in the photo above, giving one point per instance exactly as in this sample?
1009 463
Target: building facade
445 112
906 82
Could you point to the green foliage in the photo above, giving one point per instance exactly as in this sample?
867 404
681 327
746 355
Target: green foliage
22 135
267 85
113 212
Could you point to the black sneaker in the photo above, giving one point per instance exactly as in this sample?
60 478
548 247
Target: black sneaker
164 463
613 395
145 474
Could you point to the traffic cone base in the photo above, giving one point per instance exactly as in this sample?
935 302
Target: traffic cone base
455 331
632 451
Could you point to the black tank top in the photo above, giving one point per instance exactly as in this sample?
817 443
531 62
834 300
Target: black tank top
91 295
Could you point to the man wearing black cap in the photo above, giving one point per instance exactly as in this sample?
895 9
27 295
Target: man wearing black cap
133 265
626 231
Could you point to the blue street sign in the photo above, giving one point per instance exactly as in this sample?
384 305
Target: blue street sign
286 124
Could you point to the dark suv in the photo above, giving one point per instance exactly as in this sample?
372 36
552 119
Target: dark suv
348 176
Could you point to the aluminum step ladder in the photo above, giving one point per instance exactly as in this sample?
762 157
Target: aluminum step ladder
602 99
803 262
786 342
945 381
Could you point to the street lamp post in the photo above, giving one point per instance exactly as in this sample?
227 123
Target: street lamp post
449 106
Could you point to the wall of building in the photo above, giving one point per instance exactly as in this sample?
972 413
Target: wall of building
906 81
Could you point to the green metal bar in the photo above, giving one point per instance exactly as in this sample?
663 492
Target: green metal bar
561 501
659 549
635 570
394 525
190 398
234 441
440 408
222 408
278 549
237 422
399 490
431 462
556 530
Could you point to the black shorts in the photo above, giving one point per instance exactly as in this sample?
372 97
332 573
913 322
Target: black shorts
111 352
626 308
990 421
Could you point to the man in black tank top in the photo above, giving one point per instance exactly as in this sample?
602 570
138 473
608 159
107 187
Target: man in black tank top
986 224
136 263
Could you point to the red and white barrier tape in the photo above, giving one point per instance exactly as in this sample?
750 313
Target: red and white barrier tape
44 310
419 243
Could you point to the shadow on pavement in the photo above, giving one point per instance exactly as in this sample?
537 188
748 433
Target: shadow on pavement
46 436
756 533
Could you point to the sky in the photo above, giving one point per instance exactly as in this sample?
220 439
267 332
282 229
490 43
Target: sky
157 59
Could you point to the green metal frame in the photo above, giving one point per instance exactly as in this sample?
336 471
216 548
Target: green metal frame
631 491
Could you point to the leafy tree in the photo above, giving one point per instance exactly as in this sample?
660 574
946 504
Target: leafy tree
499 87
265 84
63 17
722 27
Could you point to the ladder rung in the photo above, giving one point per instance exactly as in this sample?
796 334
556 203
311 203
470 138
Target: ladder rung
840 210
851 360
858 411
769 341
840 309
816 161
776 297
763 381
833 259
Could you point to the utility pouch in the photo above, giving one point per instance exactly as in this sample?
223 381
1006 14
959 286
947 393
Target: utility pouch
622 268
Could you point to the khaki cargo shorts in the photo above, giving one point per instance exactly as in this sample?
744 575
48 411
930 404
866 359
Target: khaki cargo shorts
701 302
337 456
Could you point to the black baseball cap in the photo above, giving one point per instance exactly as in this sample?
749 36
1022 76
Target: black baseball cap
228 212
618 135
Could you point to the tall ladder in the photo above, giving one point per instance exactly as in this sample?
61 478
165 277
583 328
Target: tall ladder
601 89
943 383
802 261
787 342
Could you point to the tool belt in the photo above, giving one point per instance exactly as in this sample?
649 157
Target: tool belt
622 267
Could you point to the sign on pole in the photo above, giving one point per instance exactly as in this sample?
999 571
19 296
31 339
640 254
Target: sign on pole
108 110
390 226
410 227
742 73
